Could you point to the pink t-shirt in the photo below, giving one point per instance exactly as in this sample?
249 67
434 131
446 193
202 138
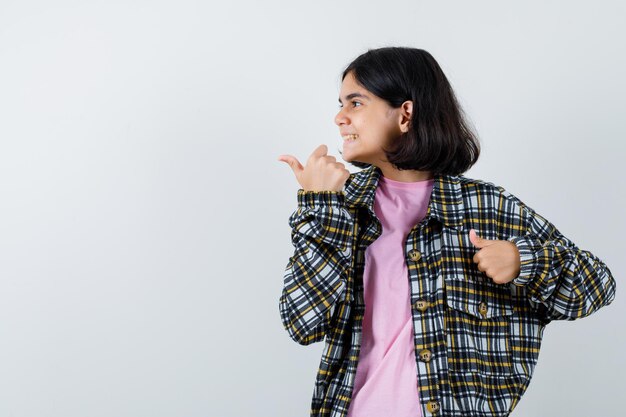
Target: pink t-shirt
386 376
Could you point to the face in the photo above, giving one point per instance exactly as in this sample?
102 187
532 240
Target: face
374 122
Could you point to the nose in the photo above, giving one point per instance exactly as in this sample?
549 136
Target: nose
340 118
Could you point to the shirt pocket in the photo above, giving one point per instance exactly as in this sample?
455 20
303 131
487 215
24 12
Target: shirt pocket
477 322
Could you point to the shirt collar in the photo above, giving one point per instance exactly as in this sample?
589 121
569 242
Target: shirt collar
445 204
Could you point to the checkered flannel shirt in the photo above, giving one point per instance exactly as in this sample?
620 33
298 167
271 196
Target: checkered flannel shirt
483 338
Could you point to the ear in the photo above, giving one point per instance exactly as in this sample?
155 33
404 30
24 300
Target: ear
406 111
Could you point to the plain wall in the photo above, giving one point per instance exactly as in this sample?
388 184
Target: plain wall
143 212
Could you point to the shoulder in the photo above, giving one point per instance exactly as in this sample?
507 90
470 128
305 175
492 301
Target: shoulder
472 188
468 183
489 205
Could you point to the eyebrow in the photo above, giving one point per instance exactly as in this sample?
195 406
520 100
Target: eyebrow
353 95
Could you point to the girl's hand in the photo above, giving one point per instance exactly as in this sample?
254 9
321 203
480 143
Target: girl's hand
321 173
499 259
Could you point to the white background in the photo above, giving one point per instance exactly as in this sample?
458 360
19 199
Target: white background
143 212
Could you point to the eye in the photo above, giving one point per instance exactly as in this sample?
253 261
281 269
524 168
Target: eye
353 103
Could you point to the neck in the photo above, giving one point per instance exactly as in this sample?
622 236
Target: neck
405 175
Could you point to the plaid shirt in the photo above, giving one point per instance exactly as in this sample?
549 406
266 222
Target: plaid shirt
476 342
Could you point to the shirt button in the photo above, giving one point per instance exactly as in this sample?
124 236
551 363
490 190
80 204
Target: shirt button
425 355
432 406
482 308
415 255
421 305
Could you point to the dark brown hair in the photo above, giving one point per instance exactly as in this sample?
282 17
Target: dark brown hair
439 139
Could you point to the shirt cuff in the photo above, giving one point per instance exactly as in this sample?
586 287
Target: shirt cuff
311 199
527 247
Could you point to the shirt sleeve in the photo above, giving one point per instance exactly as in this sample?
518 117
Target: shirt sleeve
569 282
315 277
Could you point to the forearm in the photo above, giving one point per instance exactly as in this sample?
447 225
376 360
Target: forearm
570 282
315 277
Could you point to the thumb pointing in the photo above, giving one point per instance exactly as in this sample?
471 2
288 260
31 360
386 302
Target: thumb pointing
474 238
293 163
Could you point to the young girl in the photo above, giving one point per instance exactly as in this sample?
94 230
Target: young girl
431 289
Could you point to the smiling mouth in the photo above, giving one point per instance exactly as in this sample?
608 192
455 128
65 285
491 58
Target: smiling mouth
350 138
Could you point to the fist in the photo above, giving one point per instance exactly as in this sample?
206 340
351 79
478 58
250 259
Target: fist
321 173
498 259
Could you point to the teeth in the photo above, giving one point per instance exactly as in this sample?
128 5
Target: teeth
351 137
